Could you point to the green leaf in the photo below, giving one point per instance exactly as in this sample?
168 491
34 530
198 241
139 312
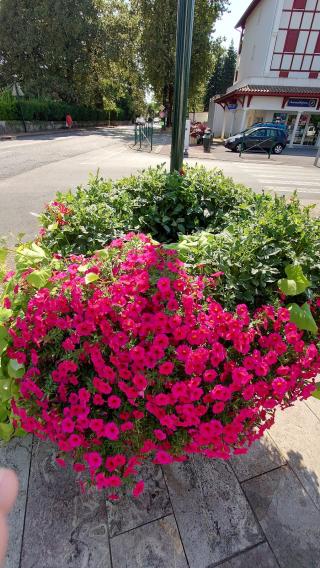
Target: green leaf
83 268
3 332
316 393
302 317
6 431
296 283
103 253
3 412
5 389
15 370
91 277
53 227
38 278
40 252
5 314
3 345
288 287
3 255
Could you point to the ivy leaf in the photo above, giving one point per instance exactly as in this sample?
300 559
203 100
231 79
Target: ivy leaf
288 287
296 283
38 278
91 277
6 431
5 314
302 317
15 370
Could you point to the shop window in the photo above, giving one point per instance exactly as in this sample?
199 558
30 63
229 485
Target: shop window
299 4
291 41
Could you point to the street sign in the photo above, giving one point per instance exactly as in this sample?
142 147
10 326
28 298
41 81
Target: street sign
309 103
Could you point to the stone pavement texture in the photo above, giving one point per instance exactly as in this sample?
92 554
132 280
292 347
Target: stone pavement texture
262 509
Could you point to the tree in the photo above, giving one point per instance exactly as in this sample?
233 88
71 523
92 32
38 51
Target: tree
80 51
223 74
158 22
229 67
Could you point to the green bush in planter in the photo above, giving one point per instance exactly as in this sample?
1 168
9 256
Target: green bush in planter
253 253
162 204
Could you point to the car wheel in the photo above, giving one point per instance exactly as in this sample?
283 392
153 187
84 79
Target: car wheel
240 147
277 149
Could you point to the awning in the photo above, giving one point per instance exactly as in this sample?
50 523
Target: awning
286 92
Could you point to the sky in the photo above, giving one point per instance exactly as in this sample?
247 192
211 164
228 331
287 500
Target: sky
225 26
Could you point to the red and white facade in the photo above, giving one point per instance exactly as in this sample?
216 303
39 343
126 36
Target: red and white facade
278 71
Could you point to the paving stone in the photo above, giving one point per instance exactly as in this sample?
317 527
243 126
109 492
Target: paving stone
288 517
153 504
16 455
297 433
63 528
314 405
155 545
262 456
214 518
261 556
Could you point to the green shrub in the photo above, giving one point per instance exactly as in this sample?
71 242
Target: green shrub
253 253
156 202
47 110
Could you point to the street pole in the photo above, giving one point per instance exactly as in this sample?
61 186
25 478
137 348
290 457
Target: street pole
185 19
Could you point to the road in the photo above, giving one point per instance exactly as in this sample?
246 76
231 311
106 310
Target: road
33 168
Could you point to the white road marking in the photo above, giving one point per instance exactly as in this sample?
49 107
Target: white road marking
276 188
293 182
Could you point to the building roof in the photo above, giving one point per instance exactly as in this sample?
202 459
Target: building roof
245 16
271 91
281 90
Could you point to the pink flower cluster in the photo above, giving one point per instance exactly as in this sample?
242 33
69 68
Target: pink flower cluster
143 362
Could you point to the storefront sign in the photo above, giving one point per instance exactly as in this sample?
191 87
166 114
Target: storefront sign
310 103
233 106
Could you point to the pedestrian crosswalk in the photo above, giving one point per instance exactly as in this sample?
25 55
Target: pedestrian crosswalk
284 178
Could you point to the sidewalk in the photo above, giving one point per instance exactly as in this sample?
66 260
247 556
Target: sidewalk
261 509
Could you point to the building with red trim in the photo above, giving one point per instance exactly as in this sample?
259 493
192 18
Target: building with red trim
278 71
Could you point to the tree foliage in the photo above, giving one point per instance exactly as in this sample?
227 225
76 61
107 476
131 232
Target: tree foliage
158 21
79 51
223 74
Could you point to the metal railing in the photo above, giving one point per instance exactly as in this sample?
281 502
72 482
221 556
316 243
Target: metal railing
143 135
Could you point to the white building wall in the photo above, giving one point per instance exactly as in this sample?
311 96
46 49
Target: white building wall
257 38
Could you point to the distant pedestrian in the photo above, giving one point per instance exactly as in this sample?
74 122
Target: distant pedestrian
69 121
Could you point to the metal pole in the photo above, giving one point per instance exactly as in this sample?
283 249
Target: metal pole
185 19
317 157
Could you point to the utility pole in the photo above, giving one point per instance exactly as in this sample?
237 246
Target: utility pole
185 19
